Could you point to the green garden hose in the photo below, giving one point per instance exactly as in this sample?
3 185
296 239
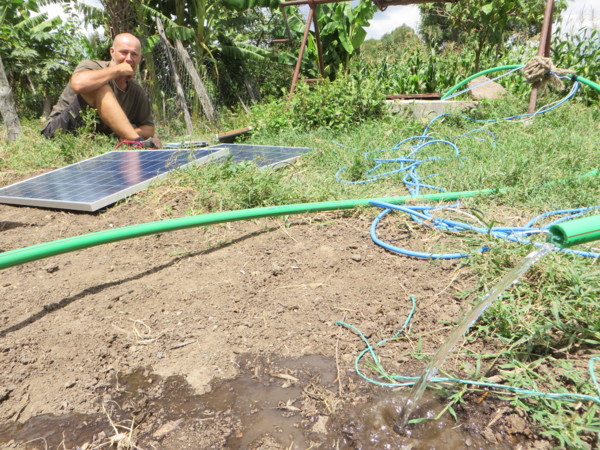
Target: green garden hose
45 250
483 72
510 67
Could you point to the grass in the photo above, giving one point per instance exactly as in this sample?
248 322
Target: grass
549 327
546 327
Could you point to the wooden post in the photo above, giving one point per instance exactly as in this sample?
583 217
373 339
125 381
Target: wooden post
309 19
543 49
207 106
179 89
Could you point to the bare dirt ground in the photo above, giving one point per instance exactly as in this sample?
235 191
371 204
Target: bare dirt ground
147 329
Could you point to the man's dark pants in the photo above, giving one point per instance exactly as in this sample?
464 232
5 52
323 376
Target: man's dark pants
70 119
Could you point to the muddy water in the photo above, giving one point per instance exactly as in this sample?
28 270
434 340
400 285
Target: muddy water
273 403
46 431
372 426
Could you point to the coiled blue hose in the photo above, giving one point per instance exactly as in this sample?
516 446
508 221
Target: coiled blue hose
409 163
403 381
514 234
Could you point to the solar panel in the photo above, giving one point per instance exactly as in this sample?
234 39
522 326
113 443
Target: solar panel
263 155
102 180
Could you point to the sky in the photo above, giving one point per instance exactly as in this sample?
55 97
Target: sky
579 12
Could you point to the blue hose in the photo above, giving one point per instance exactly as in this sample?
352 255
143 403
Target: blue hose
514 234
410 162
403 381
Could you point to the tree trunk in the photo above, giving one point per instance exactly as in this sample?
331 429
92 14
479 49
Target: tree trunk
121 16
253 93
207 106
47 107
7 107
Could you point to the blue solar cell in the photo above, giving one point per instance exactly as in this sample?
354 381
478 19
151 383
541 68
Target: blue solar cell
97 182
262 155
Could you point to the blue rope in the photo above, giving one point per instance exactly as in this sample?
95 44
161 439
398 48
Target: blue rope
514 234
409 381
409 163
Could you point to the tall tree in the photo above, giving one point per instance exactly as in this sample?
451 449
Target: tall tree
38 54
7 107
391 44
486 25
11 14
121 16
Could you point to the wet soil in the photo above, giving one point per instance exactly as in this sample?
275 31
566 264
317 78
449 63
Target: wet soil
224 336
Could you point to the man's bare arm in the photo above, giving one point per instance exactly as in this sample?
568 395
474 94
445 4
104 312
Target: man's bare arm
91 80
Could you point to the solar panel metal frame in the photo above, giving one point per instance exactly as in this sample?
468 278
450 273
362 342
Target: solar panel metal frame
235 151
101 202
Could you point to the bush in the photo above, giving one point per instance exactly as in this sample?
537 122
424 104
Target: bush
337 104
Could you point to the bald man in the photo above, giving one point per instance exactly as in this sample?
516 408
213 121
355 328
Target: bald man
108 87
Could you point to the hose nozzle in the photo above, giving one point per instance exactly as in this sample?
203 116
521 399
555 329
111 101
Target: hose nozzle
575 232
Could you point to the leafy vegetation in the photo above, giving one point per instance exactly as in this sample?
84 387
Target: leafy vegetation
342 103
486 27
36 52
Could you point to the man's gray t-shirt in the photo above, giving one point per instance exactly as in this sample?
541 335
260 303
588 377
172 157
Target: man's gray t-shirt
133 100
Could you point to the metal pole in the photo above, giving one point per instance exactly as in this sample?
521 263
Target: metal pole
301 54
318 39
285 20
543 50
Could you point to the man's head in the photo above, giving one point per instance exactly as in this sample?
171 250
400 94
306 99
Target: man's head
126 48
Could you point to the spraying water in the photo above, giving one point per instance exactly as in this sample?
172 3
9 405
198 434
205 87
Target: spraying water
510 278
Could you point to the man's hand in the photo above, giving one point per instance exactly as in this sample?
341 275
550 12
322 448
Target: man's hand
157 142
124 70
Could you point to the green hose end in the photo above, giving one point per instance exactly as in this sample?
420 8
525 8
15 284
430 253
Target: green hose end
575 232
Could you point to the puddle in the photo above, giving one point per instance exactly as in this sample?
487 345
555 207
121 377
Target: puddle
272 404
372 426
47 431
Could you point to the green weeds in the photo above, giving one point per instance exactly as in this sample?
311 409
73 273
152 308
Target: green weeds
33 152
549 326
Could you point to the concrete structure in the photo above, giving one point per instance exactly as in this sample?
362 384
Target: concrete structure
428 109
484 89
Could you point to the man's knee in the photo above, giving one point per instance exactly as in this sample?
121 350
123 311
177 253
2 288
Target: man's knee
95 98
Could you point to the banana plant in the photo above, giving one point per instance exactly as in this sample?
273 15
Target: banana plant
38 53
342 30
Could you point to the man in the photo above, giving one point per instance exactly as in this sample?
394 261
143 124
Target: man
108 87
